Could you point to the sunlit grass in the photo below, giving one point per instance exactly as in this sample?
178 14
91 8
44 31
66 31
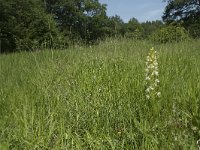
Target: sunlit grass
94 98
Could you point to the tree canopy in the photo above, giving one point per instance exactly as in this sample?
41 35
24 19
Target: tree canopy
39 24
24 24
187 12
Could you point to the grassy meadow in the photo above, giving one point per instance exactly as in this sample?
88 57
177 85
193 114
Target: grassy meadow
94 98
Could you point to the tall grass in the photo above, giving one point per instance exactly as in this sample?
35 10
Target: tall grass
94 98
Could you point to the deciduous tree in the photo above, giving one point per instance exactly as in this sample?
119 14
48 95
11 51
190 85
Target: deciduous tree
187 12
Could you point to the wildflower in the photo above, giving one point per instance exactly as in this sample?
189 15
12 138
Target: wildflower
194 129
198 143
148 97
155 73
148 78
148 58
151 88
159 94
147 70
155 84
155 63
148 90
152 73
151 66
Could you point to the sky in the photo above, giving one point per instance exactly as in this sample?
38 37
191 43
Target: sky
142 10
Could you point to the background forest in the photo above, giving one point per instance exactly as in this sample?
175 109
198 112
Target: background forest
58 24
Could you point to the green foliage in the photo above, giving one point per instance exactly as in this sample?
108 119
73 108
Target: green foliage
30 24
94 98
25 26
192 24
116 26
194 30
151 26
7 39
186 12
80 20
169 34
181 9
40 32
134 29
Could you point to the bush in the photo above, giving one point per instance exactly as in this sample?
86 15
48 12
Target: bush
169 34
137 34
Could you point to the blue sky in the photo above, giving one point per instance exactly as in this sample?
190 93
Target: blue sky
143 10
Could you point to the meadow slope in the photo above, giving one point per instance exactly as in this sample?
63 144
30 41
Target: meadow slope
94 98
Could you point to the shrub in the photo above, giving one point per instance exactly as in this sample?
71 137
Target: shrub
137 34
169 34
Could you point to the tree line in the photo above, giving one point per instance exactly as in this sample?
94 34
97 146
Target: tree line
36 24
